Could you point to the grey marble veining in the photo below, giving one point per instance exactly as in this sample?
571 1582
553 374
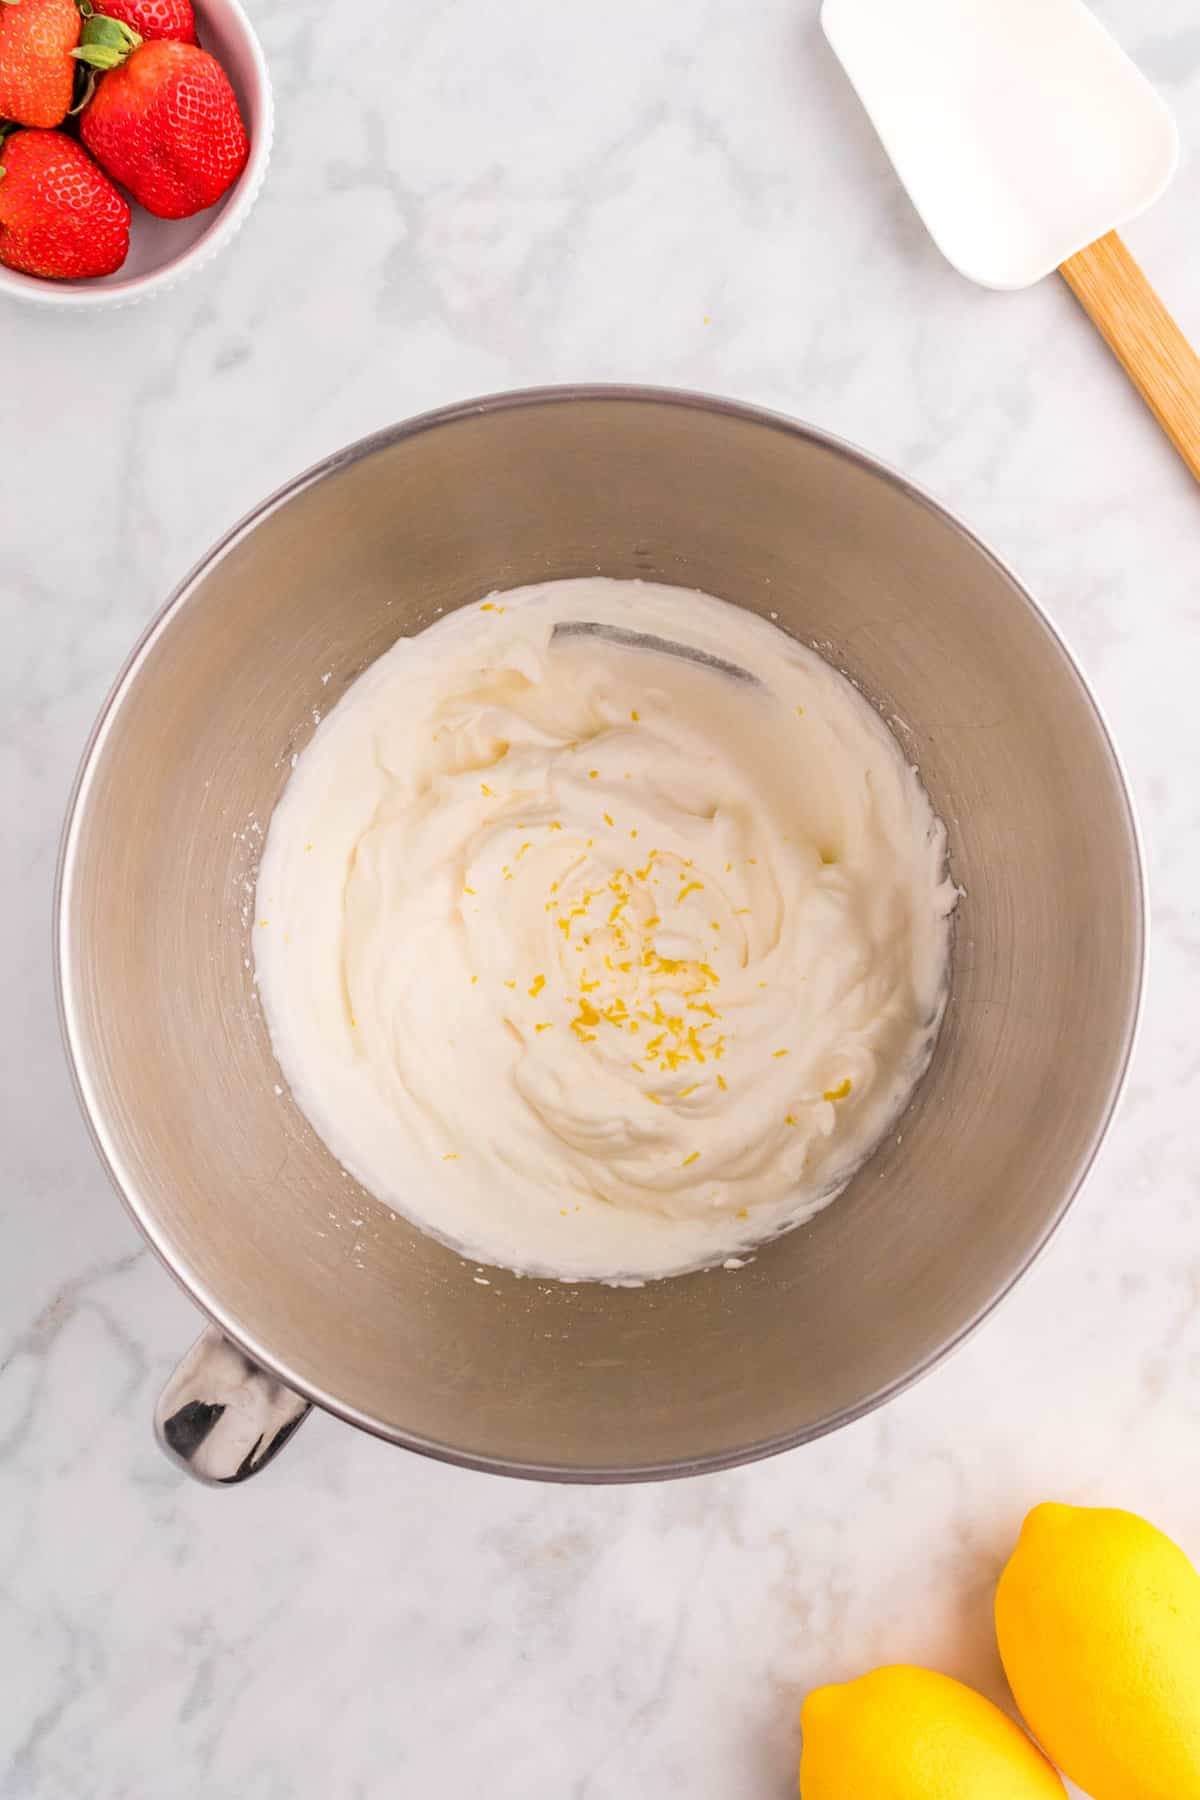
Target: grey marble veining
465 198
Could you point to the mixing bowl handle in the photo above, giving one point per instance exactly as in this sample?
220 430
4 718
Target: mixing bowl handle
220 1416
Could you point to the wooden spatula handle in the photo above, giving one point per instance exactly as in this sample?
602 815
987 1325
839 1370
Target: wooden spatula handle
1142 335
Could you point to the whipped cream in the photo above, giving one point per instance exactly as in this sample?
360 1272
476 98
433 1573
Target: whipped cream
597 960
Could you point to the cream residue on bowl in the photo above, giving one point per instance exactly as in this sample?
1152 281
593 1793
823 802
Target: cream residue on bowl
590 959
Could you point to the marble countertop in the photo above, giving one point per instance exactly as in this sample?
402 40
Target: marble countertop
465 198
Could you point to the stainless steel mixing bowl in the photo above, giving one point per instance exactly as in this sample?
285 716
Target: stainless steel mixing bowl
320 1285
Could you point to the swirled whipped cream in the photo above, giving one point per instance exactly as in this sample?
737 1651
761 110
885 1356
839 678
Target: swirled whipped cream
597 959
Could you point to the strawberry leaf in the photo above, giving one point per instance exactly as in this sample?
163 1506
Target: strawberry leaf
106 43
85 87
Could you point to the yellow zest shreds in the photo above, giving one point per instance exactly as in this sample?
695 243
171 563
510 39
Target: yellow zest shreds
741 1213
354 1023
799 712
689 1159
678 1038
474 979
536 986
467 890
634 715
450 1156
262 921
633 833
593 774
790 1119
524 847
838 1093
693 887
488 606
654 1099
546 1025
722 1084
486 791
779 1053
684 1092
512 985
608 818
556 825
308 846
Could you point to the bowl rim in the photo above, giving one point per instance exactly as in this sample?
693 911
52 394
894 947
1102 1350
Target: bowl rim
235 208
210 1303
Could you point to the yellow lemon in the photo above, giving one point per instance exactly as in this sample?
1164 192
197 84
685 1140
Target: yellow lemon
1098 1619
908 1734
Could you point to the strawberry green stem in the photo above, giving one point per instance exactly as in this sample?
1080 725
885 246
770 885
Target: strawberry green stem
106 43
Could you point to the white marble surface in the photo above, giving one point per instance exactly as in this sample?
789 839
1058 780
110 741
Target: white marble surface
468 197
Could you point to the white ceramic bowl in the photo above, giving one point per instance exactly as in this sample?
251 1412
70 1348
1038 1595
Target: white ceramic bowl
162 251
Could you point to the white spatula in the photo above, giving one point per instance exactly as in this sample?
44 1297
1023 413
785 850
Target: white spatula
1025 137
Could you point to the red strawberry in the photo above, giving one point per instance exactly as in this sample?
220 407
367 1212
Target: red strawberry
164 122
60 215
36 71
154 18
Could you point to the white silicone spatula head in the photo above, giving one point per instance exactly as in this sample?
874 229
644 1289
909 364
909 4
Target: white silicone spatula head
1025 136
1020 128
